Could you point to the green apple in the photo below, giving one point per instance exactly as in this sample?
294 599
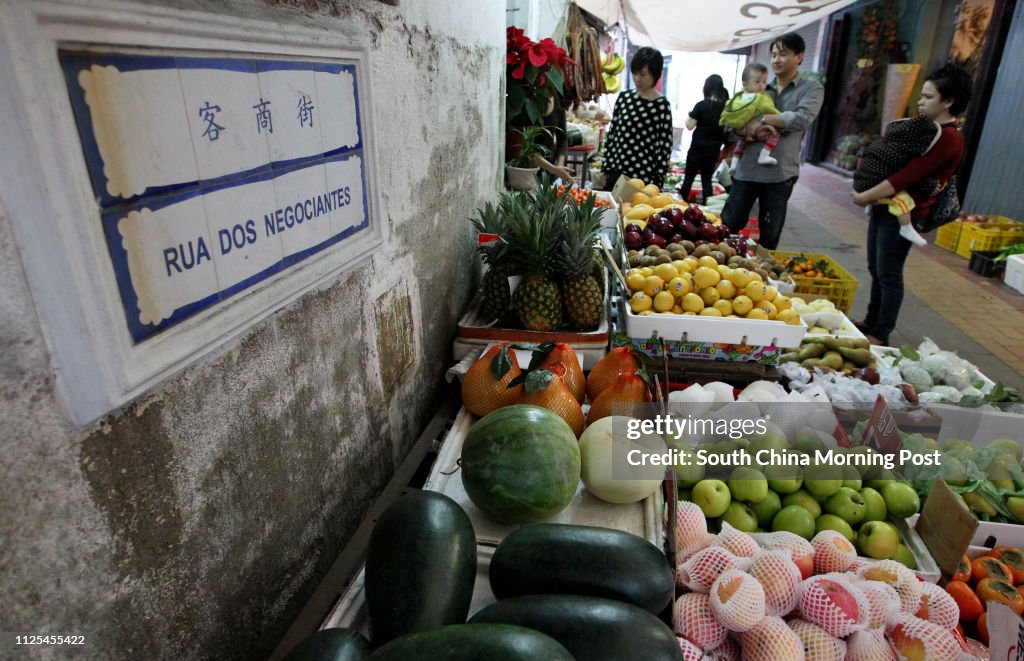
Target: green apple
901 500
1016 506
823 480
851 478
766 509
801 498
783 478
809 444
833 522
880 477
688 471
712 497
905 556
847 504
770 440
866 468
740 516
794 519
878 540
724 447
748 484
874 505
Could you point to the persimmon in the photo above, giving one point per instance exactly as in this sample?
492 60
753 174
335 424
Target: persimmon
963 570
1013 559
969 604
983 628
1001 592
989 567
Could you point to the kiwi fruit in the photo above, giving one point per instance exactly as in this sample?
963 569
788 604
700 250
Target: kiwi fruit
662 259
688 246
719 256
651 250
701 250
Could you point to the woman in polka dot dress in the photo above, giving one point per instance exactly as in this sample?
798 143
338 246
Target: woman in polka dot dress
639 141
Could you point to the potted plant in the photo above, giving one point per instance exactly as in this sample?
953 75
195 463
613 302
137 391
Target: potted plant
535 72
521 169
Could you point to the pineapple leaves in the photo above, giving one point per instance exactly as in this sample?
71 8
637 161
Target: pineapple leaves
501 363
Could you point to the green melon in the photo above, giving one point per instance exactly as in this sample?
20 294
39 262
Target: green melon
521 464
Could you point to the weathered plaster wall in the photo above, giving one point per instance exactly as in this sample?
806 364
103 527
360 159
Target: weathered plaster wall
194 522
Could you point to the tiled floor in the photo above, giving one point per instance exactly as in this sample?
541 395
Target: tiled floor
979 318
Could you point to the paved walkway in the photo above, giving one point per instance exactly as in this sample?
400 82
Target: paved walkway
979 318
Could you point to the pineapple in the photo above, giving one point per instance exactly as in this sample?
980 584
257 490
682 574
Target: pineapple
582 293
533 237
495 293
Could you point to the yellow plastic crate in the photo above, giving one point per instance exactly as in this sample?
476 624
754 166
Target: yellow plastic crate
839 290
948 235
1012 236
978 237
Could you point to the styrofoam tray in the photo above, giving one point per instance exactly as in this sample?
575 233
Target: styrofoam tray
693 328
1014 275
846 330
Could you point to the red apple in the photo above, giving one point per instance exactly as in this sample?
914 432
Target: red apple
674 215
633 240
658 240
633 227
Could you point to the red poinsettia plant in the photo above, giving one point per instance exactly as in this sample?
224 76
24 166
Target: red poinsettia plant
536 71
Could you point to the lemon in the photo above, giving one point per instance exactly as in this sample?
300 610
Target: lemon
757 313
708 261
755 290
664 301
646 271
734 316
706 277
681 266
646 313
770 293
677 310
692 314
742 304
692 261
754 275
726 289
740 277
723 306
710 312
653 284
783 302
679 286
768 307
725 270
692 303
636 183
635 280
640 302
709 295
665 271
789 316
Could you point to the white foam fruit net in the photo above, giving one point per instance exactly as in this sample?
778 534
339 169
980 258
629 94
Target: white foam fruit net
833 603
797 546
737 600
902 579
938 607
832 552
780 579
737 542
695 621
703 567
691 529
819 645
912 634
883 603
690 651
727 651
869 646
771 639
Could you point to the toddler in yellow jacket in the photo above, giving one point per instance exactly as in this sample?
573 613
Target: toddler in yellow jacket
746 105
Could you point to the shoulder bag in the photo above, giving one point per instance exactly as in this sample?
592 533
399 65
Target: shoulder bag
945 209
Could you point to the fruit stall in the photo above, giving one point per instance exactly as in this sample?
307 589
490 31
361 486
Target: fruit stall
671 444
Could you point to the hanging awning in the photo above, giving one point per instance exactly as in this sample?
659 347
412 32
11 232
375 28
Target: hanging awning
709 25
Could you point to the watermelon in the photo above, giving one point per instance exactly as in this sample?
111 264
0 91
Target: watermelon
521 464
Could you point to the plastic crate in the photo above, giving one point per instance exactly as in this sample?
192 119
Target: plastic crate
839 290
979 237
948 235
1012 235
984 264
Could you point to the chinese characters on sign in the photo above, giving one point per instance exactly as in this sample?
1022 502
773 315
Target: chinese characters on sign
199 205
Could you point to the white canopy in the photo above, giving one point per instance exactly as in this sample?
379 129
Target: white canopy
709 25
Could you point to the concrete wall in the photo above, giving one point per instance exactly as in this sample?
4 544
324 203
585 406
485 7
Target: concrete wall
194 522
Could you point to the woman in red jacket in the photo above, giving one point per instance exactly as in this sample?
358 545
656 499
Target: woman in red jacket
944 96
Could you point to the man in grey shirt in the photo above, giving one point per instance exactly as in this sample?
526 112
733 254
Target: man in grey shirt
799 100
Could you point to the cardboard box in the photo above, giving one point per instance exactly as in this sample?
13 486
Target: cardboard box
652 347
623 191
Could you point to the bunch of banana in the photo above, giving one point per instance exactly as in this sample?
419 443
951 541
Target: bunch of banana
612 63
